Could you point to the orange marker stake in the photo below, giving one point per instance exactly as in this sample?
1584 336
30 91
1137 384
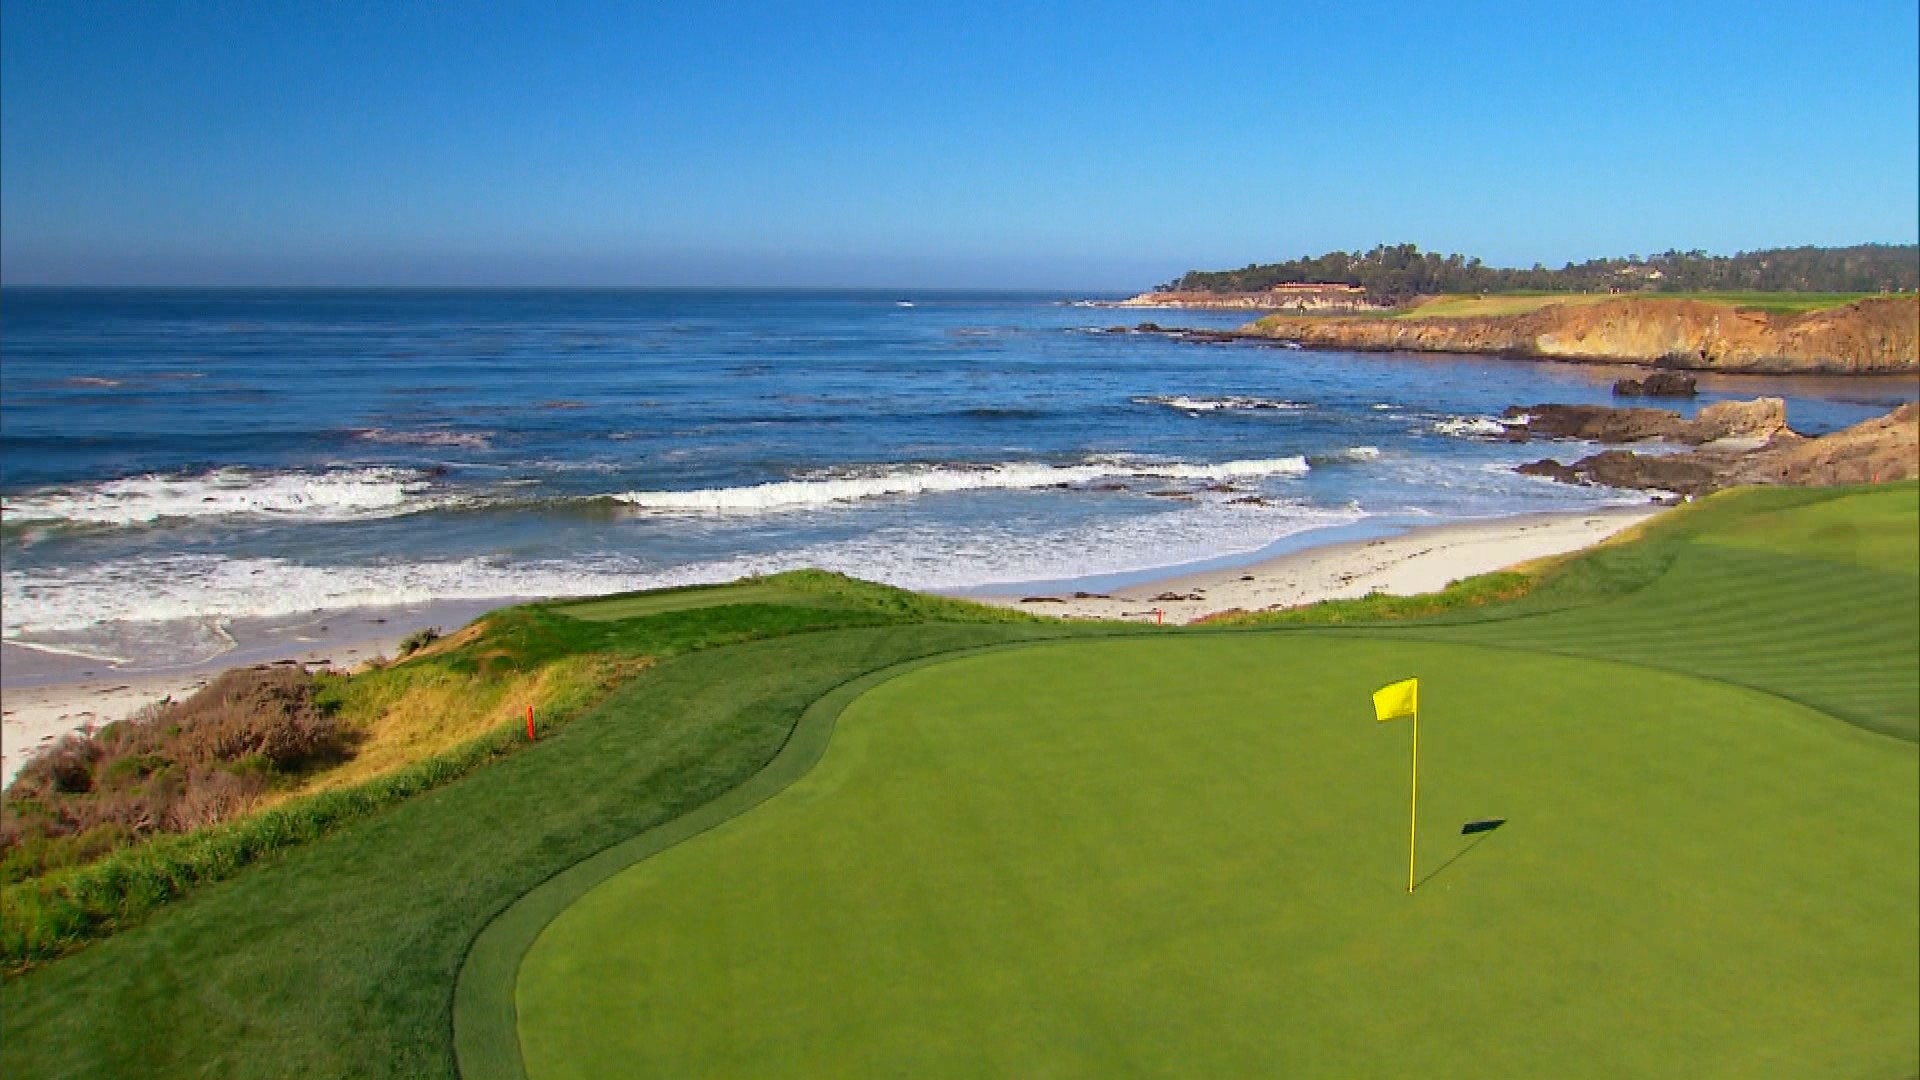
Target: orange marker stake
529 723
1157 617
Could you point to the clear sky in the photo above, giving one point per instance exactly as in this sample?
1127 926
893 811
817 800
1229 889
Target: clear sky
1098 145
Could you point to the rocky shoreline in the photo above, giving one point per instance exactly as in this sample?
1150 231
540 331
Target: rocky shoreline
1735 443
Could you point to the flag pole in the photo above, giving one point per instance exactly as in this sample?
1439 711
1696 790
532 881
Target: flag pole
1413 826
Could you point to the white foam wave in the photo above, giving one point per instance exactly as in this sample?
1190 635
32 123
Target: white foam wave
1222 404
117 608
848 486
471 440
1363 453
337 495
1477 426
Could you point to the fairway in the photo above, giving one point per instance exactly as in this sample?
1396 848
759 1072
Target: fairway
1186 857
1504 304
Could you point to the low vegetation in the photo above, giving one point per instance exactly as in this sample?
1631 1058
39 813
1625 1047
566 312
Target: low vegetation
1392 272
101 829
1499 304
170 768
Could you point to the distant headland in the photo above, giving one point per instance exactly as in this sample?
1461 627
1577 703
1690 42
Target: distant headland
1852 310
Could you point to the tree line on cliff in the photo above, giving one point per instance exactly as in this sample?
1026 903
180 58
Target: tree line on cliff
1399 271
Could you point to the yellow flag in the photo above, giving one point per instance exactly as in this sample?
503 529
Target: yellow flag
1397 700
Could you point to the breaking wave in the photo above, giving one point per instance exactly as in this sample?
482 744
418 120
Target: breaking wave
1477 426
850 485
469 440
114 609
336 495
1350 455
1221 404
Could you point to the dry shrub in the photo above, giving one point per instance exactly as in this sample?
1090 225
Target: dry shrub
171 767
64 767
269 712
213 795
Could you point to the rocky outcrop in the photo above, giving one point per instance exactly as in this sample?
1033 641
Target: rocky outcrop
1876 335
1886 448
1759 419
1626 469
1658 384
1876 451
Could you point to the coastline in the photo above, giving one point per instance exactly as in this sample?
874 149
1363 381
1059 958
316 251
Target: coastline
45 695
1417 560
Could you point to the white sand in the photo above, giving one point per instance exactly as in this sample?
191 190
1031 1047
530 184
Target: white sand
1419 561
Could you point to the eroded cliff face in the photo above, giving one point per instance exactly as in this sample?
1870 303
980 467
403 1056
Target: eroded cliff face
1876 335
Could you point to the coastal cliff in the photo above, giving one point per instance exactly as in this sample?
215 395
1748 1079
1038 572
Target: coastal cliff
1871 336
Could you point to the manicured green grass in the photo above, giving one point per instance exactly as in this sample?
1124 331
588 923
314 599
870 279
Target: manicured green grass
1187 857
340 957
1521 303
639 605
1783 303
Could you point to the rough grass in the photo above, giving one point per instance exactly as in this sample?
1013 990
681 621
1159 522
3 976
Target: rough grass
456 704
426 710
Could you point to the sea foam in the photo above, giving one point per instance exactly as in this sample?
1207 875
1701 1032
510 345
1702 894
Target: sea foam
97 609
1184 403
1477 426
854 485
337 495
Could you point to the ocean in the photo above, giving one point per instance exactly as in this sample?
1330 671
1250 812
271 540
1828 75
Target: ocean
174 460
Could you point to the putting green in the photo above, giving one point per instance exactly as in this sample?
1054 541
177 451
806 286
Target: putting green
1186 856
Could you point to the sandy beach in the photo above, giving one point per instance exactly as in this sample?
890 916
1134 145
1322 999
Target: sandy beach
1420 560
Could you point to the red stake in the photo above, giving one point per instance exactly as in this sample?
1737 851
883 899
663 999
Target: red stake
1157 613
529 723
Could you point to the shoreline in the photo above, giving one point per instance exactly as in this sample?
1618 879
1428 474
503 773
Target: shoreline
45 695
1416 560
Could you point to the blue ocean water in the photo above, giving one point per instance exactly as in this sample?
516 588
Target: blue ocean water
170 459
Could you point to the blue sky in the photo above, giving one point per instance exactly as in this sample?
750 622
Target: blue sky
1086 146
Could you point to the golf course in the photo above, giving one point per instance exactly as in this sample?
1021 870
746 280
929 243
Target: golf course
835 830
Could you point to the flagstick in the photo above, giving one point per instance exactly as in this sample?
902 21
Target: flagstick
1413 827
